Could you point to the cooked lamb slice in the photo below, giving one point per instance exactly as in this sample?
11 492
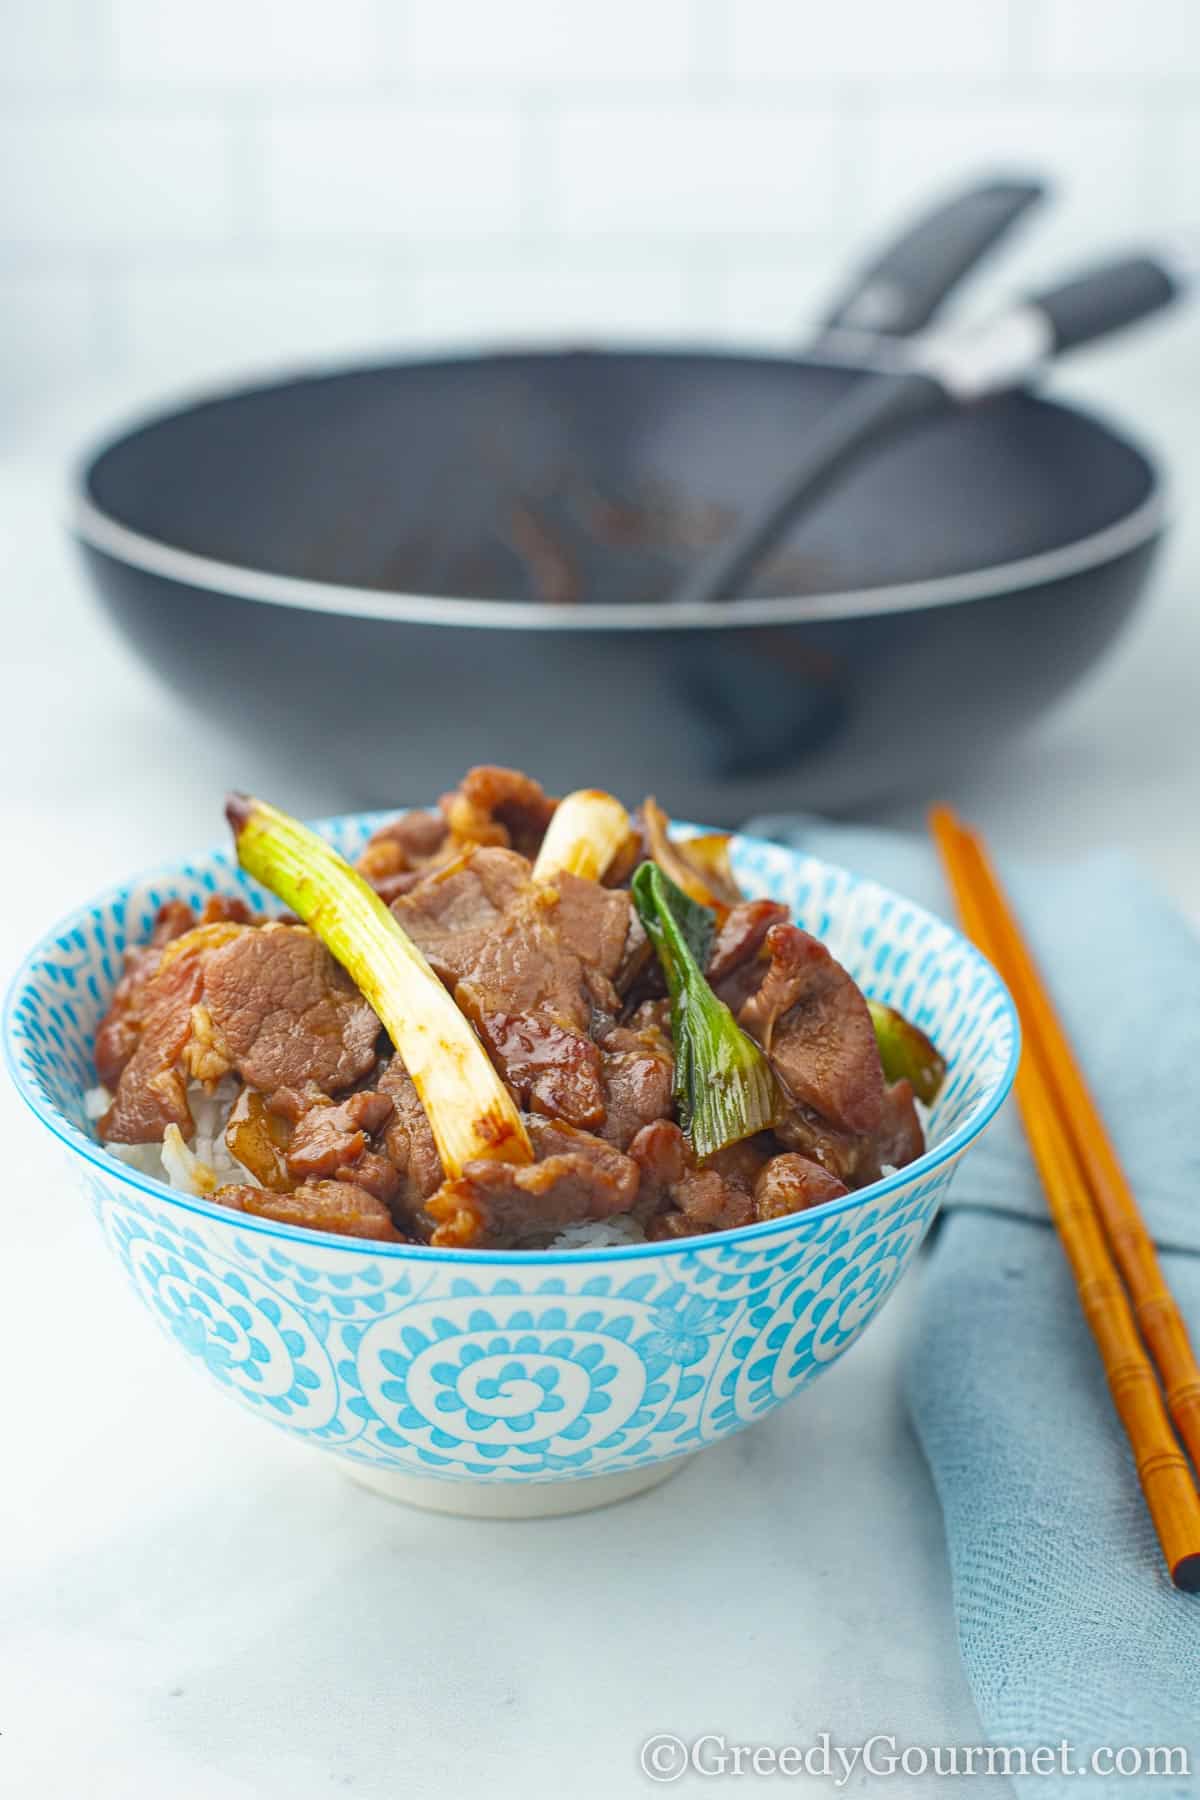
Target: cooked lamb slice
451 911
121 1026
375 1171
540 976
853 1157
284 1013
858 1157
736 964
408 1142
594 922
530 964
552 1069
678 1199
168 1014
330 1136
403 847
227 909
638 963
338 1206
813 1022
151 1092
391 887
493 805
637 1070
576 1178
553 952
901 1135
791 1183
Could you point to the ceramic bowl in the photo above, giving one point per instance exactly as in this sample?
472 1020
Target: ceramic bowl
510 1383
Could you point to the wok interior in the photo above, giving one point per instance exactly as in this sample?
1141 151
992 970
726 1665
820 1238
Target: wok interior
585 475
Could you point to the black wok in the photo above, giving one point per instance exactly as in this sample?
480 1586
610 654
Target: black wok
348 565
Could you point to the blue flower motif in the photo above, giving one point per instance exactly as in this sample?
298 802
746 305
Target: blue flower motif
189 1329
535 1385
681 1333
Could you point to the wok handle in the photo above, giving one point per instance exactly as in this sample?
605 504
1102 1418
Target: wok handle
899 290
876 406
1106 299
1011 348
944 370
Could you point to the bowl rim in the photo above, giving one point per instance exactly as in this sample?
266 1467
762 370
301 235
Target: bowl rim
91 1151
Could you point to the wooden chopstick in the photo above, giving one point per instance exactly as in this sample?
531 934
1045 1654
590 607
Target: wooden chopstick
1163 1471
1154 1306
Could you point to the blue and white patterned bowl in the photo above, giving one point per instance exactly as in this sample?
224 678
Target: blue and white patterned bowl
501 1382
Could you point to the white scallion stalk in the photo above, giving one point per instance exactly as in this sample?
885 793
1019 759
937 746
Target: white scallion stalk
587 832
470 1111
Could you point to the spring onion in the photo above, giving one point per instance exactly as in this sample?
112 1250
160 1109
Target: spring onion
906 1053
725 1089
700 866
470 1111
586 835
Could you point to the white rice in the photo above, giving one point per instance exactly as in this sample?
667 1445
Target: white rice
622 1228
197 1168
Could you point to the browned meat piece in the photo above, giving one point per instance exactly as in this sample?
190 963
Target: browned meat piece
530 964
402 848
540 975
677 1199
121 1026
329 1137
661 1153
814 1024
552 1070
742 1163
391 887
283 1012
576 1178
594 923
554 951
172 919
291 1103
411 1150
450 913
292 1137
499 806
790 1184
851 1156
637 1069
736 964
858 1157
638 962
374 1171
338 1206
901 1134
226 909
152 1091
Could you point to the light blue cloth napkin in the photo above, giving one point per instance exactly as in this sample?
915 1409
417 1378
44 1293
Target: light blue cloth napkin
1068 1624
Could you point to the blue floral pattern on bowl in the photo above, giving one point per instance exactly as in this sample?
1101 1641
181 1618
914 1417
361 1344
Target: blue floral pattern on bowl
500 1367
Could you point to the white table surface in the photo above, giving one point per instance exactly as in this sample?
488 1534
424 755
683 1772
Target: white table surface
194 1606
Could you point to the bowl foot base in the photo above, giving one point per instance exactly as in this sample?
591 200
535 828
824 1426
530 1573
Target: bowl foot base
517 1499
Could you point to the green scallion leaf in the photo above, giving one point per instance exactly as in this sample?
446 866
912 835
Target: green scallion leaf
725 1088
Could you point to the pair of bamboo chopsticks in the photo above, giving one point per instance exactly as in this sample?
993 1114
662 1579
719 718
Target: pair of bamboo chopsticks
1120 1283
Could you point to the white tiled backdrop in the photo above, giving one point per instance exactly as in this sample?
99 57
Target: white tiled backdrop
195 187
